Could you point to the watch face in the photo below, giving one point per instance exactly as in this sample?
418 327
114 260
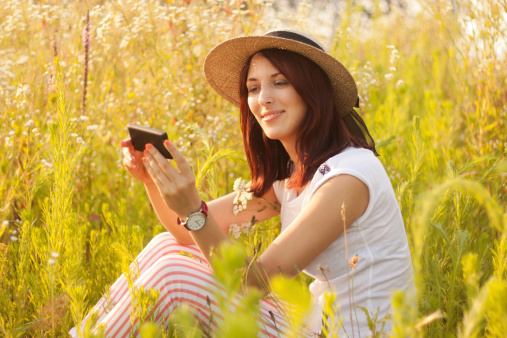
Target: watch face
196 221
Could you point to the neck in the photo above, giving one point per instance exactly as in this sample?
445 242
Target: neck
290 148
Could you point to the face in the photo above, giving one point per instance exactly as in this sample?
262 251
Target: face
274 102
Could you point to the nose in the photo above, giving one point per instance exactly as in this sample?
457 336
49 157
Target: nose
265 97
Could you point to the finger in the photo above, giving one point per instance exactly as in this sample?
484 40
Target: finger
162 162
178 157
126 143
129 163
161 180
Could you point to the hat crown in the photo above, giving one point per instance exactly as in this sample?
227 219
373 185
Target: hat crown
296 35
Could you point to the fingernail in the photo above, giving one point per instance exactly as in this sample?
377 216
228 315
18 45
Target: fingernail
167 142
148 146
144 159
146 152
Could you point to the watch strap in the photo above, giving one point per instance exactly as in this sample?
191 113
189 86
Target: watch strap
203 210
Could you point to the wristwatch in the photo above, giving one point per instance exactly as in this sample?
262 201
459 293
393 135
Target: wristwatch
196 220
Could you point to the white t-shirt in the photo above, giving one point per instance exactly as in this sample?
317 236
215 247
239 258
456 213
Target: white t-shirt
378 238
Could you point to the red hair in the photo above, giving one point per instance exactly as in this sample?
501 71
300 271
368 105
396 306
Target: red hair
323 131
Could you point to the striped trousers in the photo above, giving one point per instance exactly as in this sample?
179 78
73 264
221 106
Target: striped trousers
179 279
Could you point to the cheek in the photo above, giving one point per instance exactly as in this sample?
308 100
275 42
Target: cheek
252 105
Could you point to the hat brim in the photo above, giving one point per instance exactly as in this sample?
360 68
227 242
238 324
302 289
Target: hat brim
224 63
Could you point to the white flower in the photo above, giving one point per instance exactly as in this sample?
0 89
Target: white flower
34 130
246 228
92 127
22 59
5 223
55 254
84 118
51 261
388 76
242 197
392 69
400 83
12 132
239 184
236 209
14 238
73 135
235 230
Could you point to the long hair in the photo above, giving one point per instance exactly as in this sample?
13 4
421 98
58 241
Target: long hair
323 132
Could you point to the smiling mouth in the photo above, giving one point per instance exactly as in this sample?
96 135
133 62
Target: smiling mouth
272 116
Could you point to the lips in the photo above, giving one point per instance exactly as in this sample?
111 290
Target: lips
269 116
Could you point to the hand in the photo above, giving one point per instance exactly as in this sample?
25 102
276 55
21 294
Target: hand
177 187
132 160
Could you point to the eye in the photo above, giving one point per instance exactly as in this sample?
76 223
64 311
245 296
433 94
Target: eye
253 89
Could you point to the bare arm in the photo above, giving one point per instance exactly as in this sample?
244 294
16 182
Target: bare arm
260 208
318 225
220 209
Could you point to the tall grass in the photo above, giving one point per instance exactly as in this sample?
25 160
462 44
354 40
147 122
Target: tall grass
433 93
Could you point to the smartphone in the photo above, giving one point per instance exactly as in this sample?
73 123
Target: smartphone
140 136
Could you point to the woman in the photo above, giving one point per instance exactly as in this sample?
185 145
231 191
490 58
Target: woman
308 151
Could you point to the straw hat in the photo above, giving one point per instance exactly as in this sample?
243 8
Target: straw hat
224 63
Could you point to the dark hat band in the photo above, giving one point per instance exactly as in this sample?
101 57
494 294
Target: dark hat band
295 37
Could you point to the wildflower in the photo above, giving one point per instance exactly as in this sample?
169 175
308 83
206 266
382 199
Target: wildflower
12 132
246 228
34 130
86 35
51 261
243 196
22 59
55 254
29 123
392 69
389 76
353 261
373 82
14 238
5 223
73 135
84 118
239 184
400 83
235 230
92 127
81 141
237 209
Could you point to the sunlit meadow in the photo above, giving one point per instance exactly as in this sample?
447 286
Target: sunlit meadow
433 88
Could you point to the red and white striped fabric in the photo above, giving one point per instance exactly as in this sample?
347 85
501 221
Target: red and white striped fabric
180 279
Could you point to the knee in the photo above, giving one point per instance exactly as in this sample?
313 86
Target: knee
175 267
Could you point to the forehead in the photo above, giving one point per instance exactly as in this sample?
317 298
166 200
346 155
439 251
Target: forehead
260 64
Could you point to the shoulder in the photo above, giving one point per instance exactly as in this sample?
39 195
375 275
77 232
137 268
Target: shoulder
358 158
360 163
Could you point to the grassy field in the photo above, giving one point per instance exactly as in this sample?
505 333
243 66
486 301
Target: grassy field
433 89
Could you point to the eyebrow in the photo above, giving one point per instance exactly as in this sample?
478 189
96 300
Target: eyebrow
254 79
